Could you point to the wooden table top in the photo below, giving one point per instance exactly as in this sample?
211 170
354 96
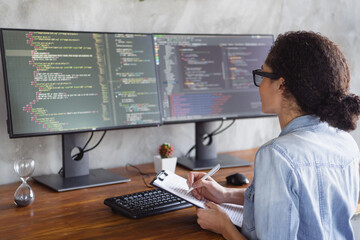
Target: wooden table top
81 214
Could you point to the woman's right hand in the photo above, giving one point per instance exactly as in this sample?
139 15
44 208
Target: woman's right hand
205 189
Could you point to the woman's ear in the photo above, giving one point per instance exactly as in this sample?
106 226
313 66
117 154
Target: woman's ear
281 84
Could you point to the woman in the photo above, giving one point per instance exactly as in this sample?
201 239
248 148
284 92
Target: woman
306 181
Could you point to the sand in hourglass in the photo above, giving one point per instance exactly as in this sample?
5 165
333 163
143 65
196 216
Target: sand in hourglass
23 200
24 195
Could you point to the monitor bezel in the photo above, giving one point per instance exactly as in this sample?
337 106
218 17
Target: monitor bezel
37 134
212 118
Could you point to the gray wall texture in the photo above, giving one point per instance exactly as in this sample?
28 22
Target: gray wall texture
336 19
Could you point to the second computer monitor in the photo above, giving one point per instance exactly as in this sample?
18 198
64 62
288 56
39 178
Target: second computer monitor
204 77
209 77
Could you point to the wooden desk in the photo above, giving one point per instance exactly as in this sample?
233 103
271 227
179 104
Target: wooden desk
81 214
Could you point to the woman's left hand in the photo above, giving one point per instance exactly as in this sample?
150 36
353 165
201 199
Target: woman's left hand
214 218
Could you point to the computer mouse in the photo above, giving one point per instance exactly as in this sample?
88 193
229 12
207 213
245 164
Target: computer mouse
237 179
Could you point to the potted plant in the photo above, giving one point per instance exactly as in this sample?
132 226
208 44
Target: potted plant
165 160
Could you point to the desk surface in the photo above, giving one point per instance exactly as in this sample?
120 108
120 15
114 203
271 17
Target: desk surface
81 214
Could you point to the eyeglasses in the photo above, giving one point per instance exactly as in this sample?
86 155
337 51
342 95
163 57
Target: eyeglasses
258 75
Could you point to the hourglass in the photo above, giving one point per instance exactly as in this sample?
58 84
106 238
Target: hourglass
24 195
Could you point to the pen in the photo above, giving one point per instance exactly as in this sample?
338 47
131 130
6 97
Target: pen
212 171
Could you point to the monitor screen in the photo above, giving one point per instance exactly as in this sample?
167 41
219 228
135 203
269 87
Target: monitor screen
60 82
204 78
209 77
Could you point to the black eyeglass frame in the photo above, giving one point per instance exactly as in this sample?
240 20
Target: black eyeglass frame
259 72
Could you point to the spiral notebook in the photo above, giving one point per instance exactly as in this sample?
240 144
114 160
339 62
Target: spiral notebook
177 185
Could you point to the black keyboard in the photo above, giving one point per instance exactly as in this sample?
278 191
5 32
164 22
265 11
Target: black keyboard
146 203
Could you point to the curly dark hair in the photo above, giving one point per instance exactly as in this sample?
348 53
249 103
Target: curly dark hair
317 75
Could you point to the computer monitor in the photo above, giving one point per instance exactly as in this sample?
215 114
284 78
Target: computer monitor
71 83
204 78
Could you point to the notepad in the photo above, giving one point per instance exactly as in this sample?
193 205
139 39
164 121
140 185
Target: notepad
177 185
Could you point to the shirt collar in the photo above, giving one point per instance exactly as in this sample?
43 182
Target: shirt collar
300 122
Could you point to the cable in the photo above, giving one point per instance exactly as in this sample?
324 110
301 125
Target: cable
83 150
141 173
190 150
61 171
213 133
78 156
92 134
97 144
228 126
193 147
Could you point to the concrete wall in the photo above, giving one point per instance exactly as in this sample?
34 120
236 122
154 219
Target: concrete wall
337 19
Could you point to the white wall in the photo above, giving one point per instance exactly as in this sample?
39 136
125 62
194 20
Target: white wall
337 19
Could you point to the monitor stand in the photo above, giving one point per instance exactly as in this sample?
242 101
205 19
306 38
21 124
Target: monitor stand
76 173
206 155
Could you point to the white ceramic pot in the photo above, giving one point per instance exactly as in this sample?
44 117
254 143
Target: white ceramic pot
164 163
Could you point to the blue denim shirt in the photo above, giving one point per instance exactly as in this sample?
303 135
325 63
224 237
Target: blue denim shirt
305 186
